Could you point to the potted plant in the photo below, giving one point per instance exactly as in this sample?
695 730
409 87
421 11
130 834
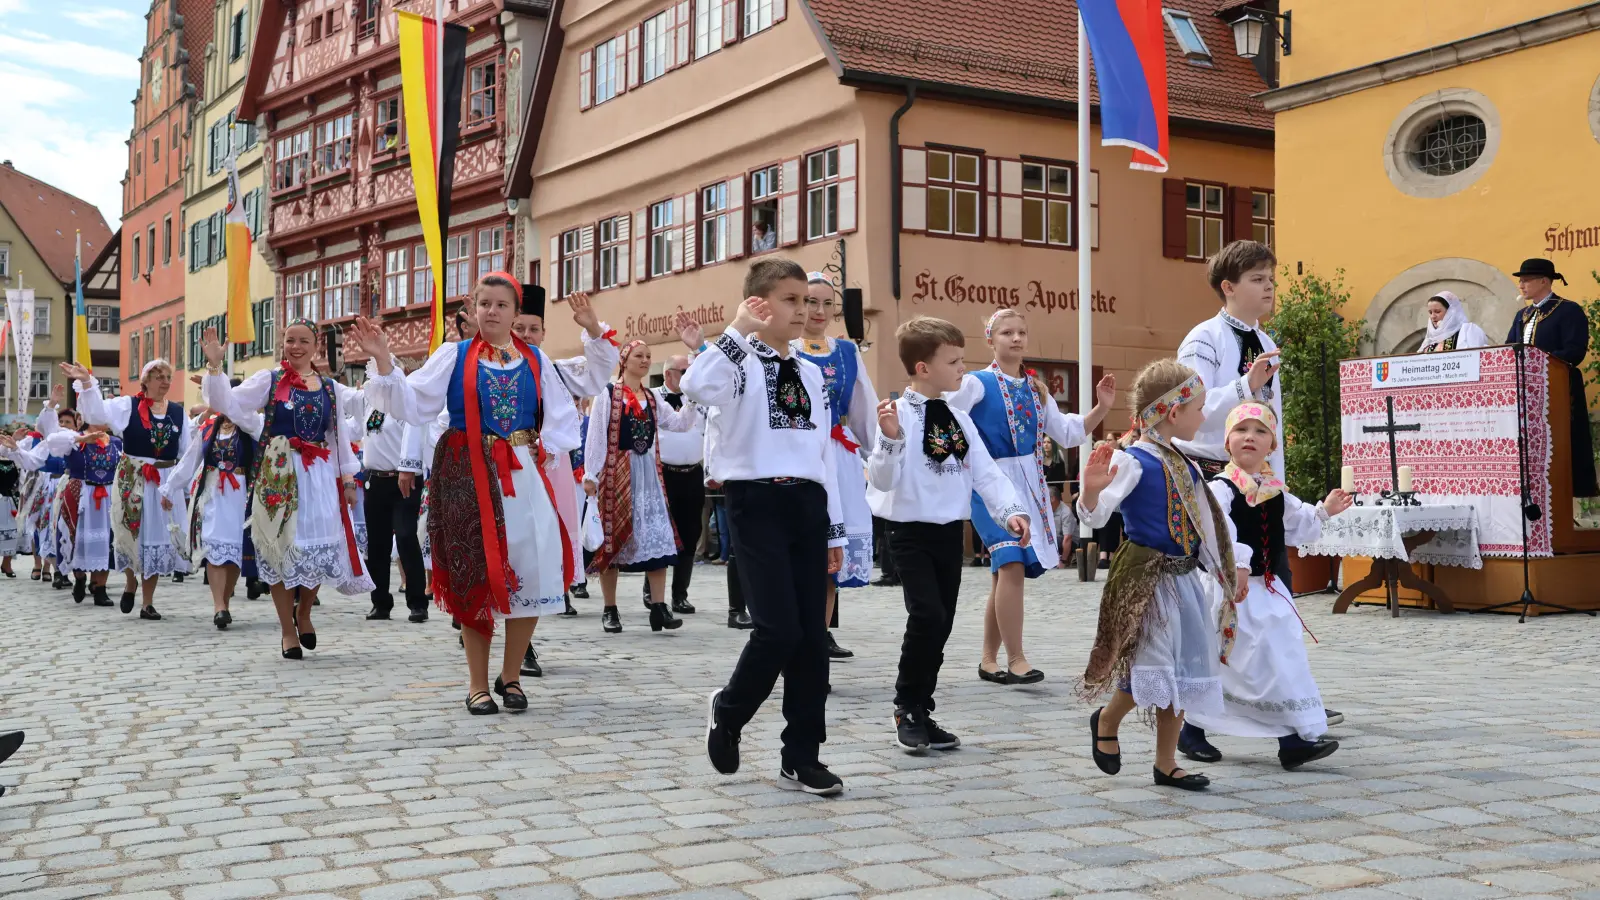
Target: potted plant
1313 336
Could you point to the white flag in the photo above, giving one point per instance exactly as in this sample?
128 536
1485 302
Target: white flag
19 310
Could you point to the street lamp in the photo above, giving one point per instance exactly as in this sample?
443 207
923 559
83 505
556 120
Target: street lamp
1251 25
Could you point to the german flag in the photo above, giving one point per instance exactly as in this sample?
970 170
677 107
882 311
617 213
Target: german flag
433 63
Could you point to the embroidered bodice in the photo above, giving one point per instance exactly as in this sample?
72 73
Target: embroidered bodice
225 452
1443 346
508 399
636 433
306 415
1008 416
161 439
94 464
1260 528
1153 515
839 372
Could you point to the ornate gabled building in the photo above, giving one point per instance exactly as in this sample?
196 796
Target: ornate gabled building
340 213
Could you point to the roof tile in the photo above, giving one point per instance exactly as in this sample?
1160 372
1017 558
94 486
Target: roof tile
49 218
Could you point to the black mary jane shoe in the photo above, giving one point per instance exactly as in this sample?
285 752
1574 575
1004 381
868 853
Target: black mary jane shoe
611 620
683 607
149 613
1191 781
998 676
222 620
1109 763
514 702
127 602
1198 749
80 590
530 664
308 640
662 618
1032 676
101 598
481 704
294 653
1295 757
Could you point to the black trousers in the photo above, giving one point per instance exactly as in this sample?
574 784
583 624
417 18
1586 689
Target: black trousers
929 559
392 518
880 540
686 500
780 536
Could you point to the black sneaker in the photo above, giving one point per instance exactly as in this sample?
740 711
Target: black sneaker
835 651
938 738
911 730
722 744
813 779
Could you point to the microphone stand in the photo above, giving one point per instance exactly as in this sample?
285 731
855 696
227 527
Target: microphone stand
1530 510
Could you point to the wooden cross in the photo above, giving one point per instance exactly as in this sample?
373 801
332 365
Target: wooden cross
1392 429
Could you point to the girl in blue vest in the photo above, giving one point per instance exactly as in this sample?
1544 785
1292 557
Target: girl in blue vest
1014 411
154 433
304 484
81 513
213 478
1157 643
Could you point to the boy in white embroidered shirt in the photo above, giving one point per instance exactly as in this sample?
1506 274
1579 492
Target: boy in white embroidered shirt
927 463
770 413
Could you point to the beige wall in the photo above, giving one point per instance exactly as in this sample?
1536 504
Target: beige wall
48 350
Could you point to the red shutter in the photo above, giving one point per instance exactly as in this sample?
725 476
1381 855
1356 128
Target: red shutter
730 22
585 79
1241 210
736 217
847 187
685 33
789 229
622 223
691 228
1174 225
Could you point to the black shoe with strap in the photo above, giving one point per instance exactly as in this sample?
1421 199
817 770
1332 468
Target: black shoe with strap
515 702
1109 763
481 704
1188 781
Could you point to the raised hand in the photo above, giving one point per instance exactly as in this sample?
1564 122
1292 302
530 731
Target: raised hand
75 371
889 420
58 394
691 333
583 313
197 381
1337 502
1261 370
754 314
212 349
1105 391
1099 472
373 341
7 441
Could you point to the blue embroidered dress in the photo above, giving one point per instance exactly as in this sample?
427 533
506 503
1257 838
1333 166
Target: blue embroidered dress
1011 420
141 528
87 547
854 406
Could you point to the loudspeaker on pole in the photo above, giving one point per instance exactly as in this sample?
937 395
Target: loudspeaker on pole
855 324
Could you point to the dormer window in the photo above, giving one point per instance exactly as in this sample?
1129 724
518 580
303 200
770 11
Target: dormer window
1187 34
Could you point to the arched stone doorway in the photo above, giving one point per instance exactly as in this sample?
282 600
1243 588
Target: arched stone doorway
1397 318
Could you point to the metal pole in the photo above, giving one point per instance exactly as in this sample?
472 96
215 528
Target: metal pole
1085 326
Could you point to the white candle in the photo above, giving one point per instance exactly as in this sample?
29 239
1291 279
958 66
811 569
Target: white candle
1405 480
1347 479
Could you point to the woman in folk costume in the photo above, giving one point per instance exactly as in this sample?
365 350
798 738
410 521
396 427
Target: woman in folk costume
499 550
154 433
40 480
622 468
854 404
10 521
214 479
304 483
1157 642
1267 688
1448 328
1013 411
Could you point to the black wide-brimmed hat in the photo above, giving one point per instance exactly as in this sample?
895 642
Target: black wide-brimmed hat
1538 267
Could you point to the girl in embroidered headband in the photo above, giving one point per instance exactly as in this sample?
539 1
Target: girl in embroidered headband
1014 410
154 435
304 486
499 548
622 469
213 478
1156 645
1267 686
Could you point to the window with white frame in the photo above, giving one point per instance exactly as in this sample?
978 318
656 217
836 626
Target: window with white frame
657 46
102 319
333 144
39 384
5 260
291 160
608 59
661 238
764 209
1187 34
714 223
1047 212
708 26
1203 205
421 275
954 192
301 290
388 128
822 193
480 94
137 256
110 386
757 16
1263 215
41 317
571 263
611 242
491 250
341 294
458 265
396 274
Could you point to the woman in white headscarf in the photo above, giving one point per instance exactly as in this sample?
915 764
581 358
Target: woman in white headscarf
1448 328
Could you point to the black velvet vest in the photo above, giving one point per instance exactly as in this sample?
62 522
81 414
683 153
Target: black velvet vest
1261 529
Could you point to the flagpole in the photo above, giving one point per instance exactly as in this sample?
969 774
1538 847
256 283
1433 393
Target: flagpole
1085 254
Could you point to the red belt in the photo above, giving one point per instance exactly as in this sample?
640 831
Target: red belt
99 494
308 451
842 437
226 477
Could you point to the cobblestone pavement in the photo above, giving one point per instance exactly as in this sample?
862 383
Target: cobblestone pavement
168 760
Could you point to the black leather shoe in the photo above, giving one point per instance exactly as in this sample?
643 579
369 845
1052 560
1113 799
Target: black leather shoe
80 590
683 607
740 620
1294 758
101 598
516 702
378 615
222 620
253 589
294 653
570 611
1189 781
1196 747
308 640
835 651
1109 763
661 617
998 676
177 578
61 581
127 602
530 664
581 591
481 704
149 613
417 617
610 620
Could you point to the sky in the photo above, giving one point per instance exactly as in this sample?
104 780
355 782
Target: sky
68 71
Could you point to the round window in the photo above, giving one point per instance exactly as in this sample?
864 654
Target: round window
1449 145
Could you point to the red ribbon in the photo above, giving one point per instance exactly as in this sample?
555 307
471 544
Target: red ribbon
842 437
150 473
35 435
630 401
98 438
144 404
308 452
226 477
610 336
505 462
99 494
290 380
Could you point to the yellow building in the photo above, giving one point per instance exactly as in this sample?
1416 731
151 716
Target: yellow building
215 136
1431 146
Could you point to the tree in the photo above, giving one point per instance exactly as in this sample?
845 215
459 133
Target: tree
1313 336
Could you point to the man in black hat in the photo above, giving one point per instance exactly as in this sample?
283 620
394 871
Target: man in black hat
1559 327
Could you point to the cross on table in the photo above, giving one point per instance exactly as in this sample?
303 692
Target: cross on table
1392 429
